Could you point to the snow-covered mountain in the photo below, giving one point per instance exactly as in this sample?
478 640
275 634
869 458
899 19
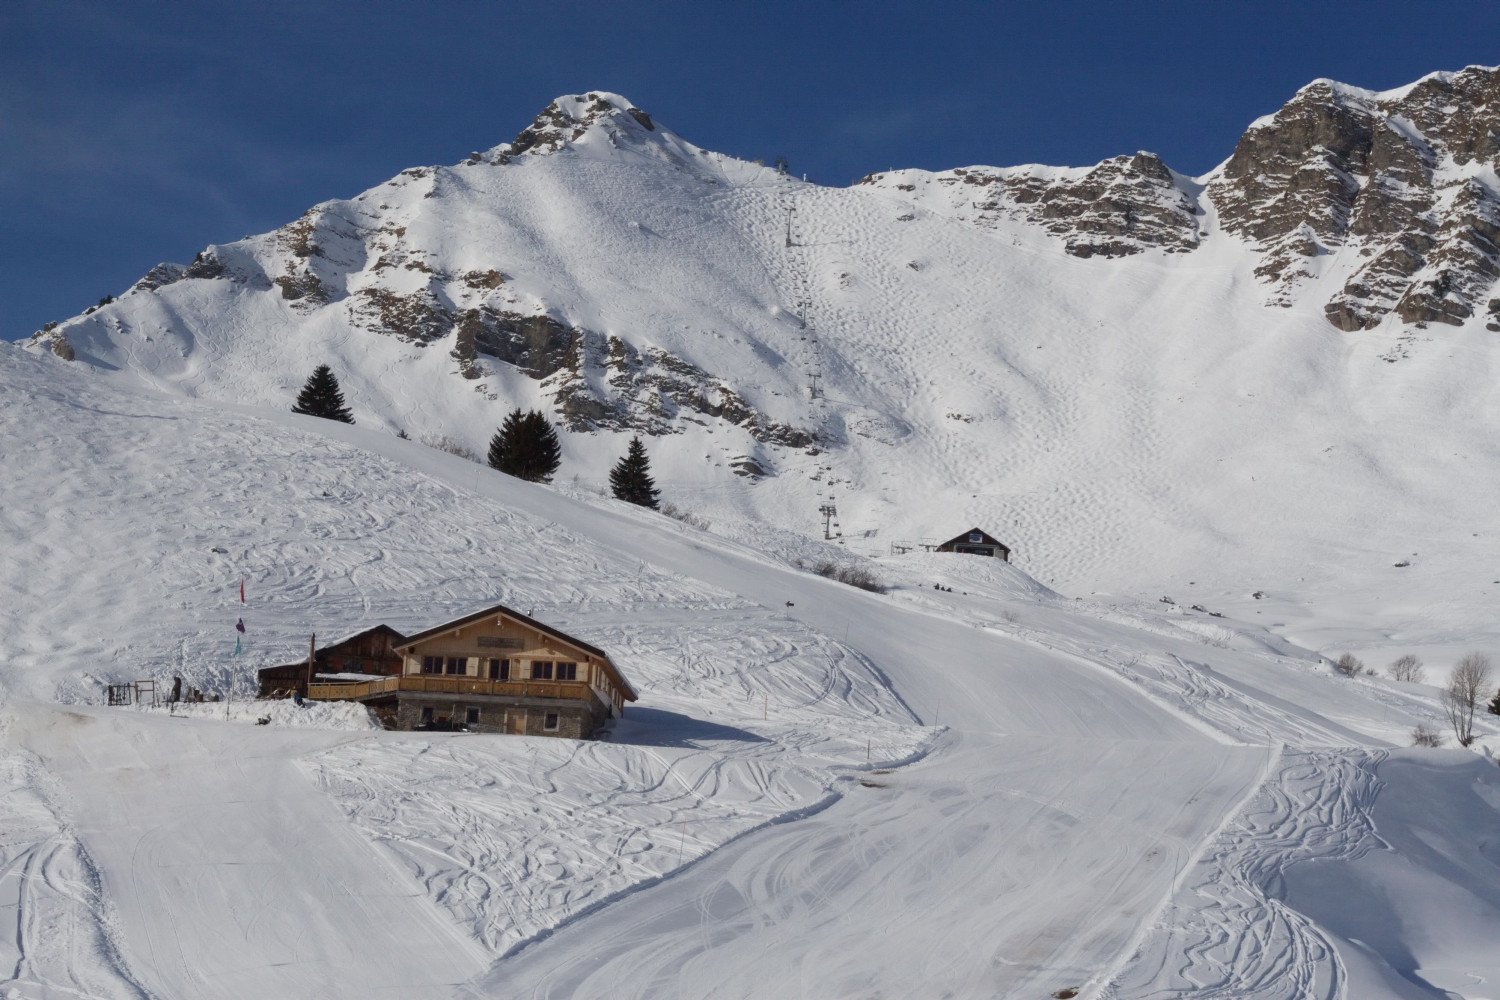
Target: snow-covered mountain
1058 793
1273 372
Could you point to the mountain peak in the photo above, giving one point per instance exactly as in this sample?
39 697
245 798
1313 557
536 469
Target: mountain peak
573 118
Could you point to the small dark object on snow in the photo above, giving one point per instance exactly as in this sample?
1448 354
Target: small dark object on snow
321 397
264 720
1167 600
790 604
1067 994
1258 595
176 695
222 552
1199 607
1402 564
1215 614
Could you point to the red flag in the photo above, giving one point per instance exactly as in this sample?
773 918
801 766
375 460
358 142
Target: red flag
242 590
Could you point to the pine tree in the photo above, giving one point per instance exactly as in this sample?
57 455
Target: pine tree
321 397
630 479
526 447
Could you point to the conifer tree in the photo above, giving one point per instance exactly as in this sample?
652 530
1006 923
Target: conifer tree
321 397
526 447
630 479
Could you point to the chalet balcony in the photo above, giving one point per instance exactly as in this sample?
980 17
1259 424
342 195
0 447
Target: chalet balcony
387 687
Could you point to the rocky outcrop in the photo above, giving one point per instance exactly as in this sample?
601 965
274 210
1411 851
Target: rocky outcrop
1120 207
607 383
159 276
1405 179
52 338
568 119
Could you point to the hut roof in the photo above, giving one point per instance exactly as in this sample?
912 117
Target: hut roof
966 538
545 629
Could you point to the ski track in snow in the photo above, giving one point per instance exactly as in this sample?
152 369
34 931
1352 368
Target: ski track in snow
1225 932
60 933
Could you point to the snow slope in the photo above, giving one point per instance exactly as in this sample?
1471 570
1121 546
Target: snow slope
1005 790
1137 425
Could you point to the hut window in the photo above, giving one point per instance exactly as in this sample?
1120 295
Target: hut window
567 671
541 670
426 715
471 716
551 721
499 670
432 664
455 665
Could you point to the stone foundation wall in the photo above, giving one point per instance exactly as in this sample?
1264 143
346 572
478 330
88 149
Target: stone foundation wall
573 720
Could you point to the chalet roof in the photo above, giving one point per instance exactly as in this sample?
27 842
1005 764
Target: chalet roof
361 635
963 539
545 629
334 645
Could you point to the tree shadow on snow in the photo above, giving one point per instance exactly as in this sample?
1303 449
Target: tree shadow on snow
656 727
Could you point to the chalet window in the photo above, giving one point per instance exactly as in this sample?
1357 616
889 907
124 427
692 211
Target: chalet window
432 664
541 670
471 716
567 671
455 665
426 715
550 722
499 670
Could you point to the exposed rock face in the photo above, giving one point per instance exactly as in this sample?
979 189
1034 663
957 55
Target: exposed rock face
1404 178
568 119
161 275
604 382
52 338
1121 207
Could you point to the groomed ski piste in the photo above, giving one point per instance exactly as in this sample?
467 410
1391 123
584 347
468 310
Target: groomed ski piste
993 790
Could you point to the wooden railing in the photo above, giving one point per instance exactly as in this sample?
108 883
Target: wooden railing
444 684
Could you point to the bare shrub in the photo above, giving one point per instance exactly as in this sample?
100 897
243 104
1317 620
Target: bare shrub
1470 677
443 442
1425 736
1350 665
687 517
1407 669
854 576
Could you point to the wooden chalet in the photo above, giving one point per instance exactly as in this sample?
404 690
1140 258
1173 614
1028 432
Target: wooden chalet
975 542
369 652
495 671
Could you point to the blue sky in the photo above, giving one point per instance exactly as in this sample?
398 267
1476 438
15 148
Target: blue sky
135 133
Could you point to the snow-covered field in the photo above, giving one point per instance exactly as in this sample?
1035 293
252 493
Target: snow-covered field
993 790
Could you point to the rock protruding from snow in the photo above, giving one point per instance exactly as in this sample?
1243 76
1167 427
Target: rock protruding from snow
596 120
1406 178
1120 207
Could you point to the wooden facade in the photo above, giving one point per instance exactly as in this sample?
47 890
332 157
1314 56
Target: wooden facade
497 671
369 652
975 542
